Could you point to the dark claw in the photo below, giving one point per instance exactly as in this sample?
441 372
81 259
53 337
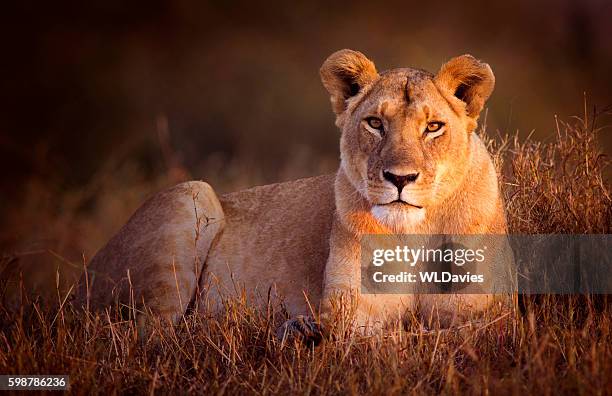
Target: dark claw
303 328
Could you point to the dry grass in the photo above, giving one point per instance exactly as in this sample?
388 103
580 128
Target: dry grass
557 345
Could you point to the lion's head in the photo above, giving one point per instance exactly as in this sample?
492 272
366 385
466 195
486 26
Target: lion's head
406 133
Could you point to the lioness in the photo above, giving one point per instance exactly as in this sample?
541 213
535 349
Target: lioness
410 163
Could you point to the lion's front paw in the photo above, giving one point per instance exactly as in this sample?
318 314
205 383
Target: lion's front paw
303 328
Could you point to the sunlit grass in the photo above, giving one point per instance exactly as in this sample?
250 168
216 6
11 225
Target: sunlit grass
558 344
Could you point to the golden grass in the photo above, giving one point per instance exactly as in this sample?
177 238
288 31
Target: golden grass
558 345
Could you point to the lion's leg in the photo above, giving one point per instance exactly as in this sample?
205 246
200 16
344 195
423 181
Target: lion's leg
447 310
497 271
154 262
343 307
339 279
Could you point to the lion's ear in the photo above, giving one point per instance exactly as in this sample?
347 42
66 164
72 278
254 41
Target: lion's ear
469 80
344 74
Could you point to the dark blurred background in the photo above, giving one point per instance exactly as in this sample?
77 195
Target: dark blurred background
103 103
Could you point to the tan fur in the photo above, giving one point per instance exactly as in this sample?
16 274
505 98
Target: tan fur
303 237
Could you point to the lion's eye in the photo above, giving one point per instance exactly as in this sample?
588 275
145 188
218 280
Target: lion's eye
434 126
375 123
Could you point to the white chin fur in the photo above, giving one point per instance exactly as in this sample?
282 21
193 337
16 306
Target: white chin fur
401 220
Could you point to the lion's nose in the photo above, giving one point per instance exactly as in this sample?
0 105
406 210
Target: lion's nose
400 180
